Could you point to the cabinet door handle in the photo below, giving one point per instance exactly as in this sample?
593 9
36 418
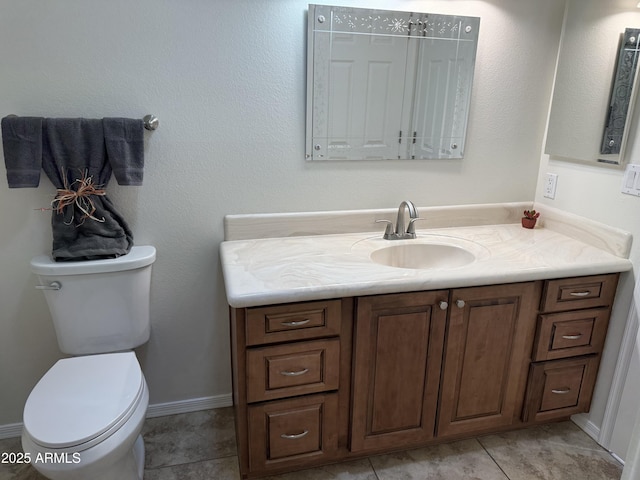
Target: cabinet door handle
460 303
561 391
443 305
296 323
572 337
294 436
580 294
289 373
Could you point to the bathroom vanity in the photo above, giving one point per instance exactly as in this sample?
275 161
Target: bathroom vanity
337 356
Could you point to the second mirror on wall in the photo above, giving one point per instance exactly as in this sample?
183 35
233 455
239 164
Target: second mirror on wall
388 85
592 110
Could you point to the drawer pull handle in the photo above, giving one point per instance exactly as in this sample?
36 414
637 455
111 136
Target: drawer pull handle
294 436
572 337
288 373
561 392
296 323
580 294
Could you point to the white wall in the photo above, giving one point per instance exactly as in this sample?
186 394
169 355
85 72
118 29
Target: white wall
227 80
594 191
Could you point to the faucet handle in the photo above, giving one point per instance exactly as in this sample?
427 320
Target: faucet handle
388 231
411 228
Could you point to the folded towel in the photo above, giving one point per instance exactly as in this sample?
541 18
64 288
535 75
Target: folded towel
78 155
74 149
22 146
124 141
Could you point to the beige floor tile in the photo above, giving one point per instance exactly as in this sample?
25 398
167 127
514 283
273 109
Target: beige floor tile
465 459
559 451
218 469
353 470
189 437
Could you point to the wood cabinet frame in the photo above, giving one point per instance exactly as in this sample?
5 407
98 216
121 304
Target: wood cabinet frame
386 388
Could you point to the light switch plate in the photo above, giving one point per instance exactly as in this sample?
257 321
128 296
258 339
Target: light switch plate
631 180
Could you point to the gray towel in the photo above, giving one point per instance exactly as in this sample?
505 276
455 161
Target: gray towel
22 146
69 149
73 147
123 138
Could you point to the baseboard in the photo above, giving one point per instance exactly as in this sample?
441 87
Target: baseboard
11 430
189 405
617 458
156 410
587 426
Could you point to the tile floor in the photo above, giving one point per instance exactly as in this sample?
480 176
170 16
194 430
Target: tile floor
201 445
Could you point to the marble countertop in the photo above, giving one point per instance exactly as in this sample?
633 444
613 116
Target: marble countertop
266 271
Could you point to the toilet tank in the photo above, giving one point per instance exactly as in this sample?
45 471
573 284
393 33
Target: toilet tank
101 305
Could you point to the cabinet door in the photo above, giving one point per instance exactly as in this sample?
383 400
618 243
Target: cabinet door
487 354
397 360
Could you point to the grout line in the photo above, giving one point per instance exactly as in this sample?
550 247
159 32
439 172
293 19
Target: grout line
373 468
493 459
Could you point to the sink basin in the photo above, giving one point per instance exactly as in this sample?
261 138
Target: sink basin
423 256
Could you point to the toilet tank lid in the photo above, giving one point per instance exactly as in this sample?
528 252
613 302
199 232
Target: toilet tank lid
139 256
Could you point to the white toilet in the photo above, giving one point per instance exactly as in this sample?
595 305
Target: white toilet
84 417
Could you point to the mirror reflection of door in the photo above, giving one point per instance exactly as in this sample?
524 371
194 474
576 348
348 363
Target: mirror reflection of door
363 112
442 69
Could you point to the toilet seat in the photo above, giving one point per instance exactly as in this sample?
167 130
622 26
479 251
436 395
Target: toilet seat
81 401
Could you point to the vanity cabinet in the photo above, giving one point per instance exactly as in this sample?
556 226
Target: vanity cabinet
571 331
319 381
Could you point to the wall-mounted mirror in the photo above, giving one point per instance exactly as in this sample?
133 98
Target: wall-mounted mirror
620 104
388 85
594 91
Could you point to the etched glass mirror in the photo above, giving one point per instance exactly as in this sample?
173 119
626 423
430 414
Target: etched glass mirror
388 85
595 86
621 103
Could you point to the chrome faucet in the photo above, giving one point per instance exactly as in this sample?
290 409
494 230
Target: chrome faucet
400 233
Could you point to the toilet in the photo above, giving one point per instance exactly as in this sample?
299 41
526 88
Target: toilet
84 417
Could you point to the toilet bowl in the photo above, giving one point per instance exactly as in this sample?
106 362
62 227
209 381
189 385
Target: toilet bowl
84 417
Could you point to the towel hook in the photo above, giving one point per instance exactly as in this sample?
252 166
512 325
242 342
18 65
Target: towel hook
151 122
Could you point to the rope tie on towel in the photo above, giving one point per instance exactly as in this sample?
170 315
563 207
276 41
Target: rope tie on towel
79 193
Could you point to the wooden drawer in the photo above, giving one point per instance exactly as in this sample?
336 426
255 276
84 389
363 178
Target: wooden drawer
560 388
297 321
292 369
570 334
579 292
292 432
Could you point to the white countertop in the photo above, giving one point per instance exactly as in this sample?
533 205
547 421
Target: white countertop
266 271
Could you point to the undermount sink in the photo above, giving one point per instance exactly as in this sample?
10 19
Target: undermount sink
422 256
